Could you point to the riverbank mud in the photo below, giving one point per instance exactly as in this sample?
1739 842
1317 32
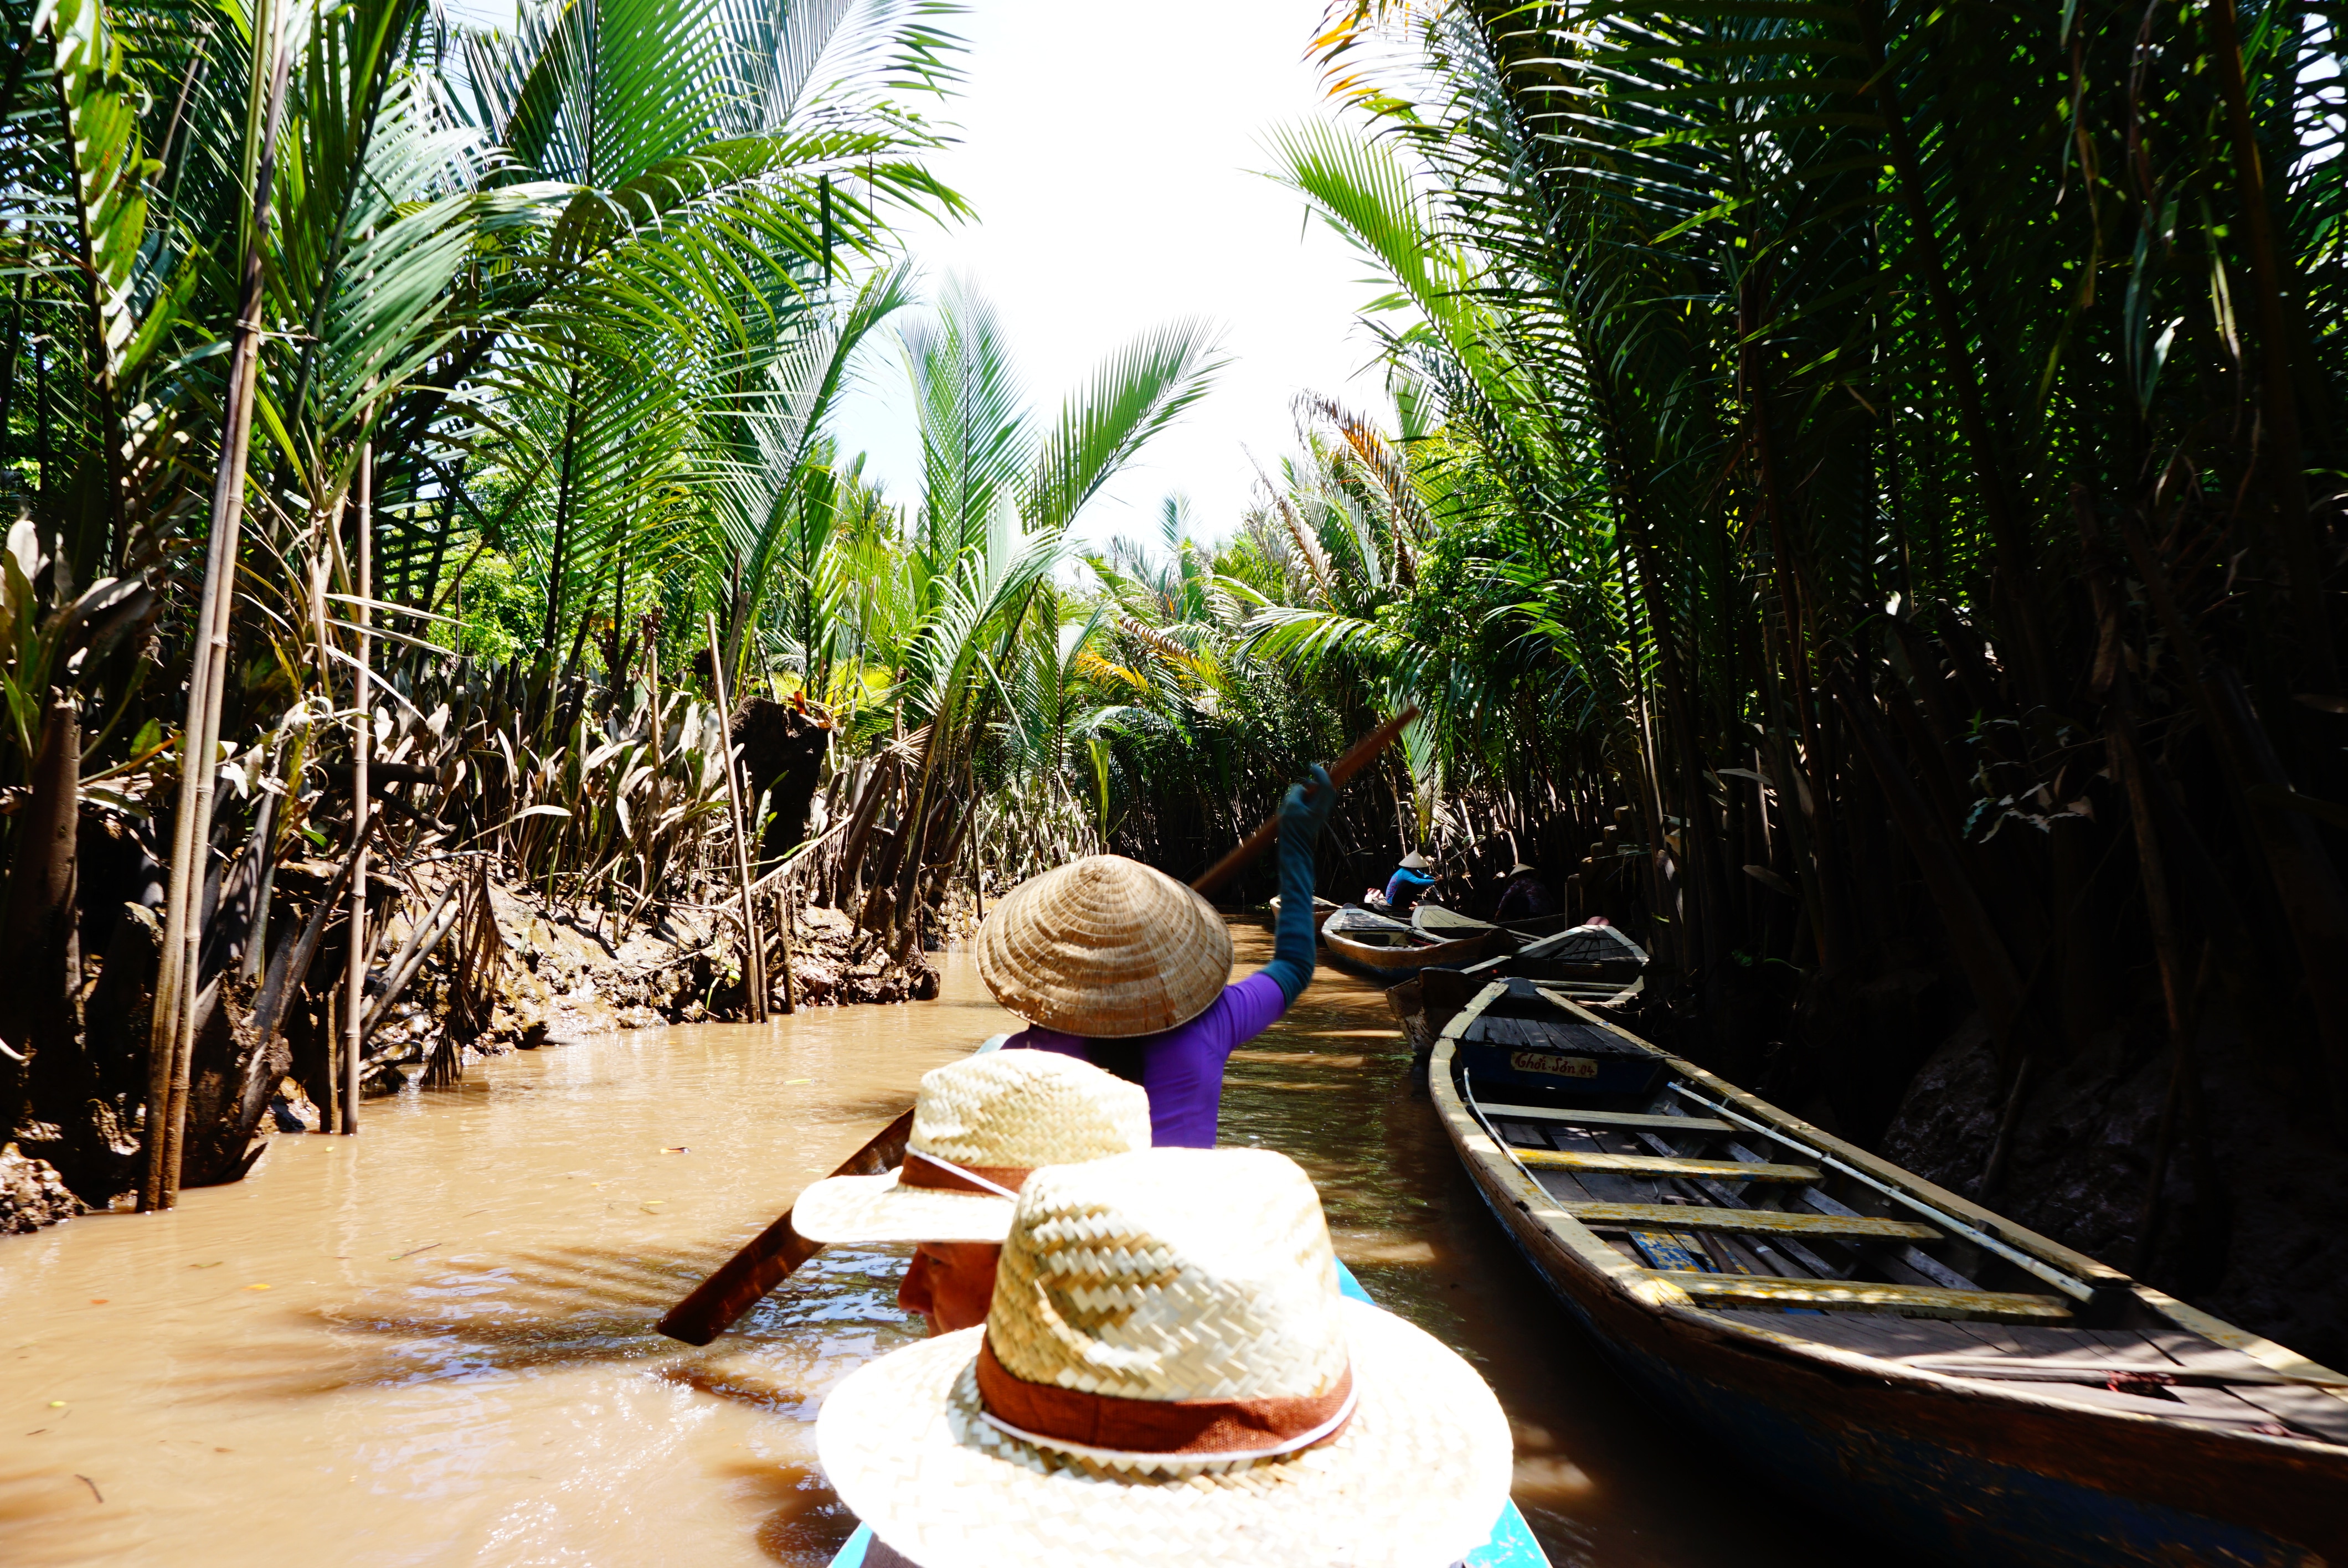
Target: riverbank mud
463 965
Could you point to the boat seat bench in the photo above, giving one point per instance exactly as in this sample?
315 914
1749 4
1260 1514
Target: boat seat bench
1662 1165
1749 1222
1634 1119
1865 1295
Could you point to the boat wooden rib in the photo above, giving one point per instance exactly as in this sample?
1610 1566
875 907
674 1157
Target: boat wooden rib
1907 1360
1511 1545
1387 950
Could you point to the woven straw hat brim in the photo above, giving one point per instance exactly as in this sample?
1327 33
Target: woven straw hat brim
1415 1481
1105 949
878 1209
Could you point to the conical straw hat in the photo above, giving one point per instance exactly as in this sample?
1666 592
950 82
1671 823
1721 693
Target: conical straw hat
1104 948
1170 1376
981 1123
1415 861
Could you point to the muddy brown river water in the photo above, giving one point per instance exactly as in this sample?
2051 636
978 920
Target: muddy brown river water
432 1344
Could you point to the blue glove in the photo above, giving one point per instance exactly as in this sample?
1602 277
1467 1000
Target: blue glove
1301 821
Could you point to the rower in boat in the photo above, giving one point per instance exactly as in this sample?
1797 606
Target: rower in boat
1116 963
1524 898
1408 884
981 1126
1200 1392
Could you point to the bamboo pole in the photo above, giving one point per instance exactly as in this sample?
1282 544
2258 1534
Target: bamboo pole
753 959
362 743
171 1040
790 982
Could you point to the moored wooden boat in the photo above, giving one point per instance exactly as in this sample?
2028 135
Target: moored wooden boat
1439 924
1388 951
1587 963
1511 1545
1906 1359
1321 905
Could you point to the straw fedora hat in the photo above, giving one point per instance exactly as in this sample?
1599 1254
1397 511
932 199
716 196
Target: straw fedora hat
1168 1376
1415 861
1104 948
981 1126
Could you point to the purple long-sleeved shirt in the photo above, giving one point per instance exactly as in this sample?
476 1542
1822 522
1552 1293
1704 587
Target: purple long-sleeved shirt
1182 1068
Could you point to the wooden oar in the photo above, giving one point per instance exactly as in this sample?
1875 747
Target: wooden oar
746 1277
772 1253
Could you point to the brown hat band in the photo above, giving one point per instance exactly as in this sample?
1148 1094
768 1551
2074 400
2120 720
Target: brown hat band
922 1170
1191 1429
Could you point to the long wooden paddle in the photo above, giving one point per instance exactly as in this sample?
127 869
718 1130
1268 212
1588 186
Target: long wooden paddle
746 1277
1361 754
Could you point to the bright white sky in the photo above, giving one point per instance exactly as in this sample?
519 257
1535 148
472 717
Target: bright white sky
1110 151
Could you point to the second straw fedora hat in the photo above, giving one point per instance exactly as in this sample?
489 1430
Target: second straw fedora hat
1104 948
980 1127
1169 1375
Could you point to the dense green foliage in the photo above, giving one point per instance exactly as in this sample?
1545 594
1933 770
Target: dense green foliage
1886 460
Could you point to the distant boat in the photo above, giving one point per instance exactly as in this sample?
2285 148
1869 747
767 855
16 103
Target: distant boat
1903 1358
1433 920
1320 906
1587 963
1388 951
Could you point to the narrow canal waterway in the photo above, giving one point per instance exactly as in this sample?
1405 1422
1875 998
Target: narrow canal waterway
432 1344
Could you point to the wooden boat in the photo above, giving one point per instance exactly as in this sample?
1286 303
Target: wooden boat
1320 906
1587 963
1904 1358
1511 1545
1387 949
1439 924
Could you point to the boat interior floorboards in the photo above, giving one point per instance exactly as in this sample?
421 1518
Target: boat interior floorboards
2143 1372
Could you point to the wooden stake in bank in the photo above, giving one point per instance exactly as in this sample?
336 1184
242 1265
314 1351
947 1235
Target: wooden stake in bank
362 744
746 1277
753 950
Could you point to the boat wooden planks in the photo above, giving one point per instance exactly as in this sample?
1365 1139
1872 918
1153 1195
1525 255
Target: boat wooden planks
1637 1121
1667 1165
1751 1222
1866 1296
1925 1394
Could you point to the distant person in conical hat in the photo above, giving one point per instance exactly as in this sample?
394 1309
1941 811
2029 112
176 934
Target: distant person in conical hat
1200 1393
1116 963
981 1126
1526 896
1409 884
